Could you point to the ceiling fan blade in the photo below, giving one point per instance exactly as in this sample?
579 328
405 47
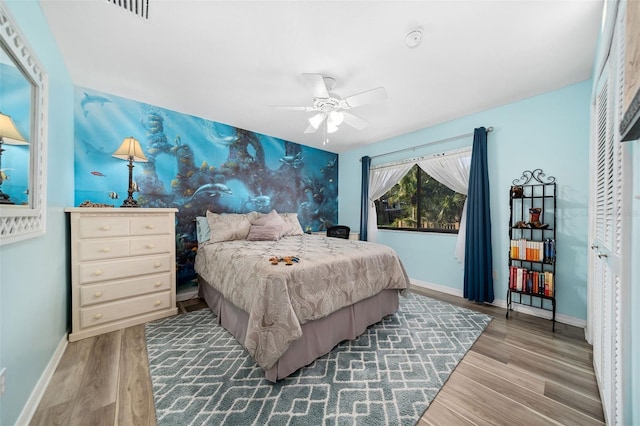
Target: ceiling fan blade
317 85
353 121
366 97
293 108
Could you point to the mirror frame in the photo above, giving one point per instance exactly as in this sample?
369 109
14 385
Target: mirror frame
21 222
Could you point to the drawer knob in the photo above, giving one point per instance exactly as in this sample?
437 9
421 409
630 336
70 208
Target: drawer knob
151 226
98 316
105 228
150 246
158 303
157 265
97 272
158 284
98 294
106 250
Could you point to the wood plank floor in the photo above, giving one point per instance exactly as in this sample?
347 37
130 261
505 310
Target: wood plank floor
517 373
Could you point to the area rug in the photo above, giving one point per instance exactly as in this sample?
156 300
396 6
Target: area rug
388 376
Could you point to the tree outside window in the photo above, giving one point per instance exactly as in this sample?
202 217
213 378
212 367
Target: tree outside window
418 195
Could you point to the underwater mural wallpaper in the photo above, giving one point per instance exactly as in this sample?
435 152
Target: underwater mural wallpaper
197 165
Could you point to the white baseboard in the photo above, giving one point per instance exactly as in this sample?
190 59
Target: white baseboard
31 406
502 303
437 287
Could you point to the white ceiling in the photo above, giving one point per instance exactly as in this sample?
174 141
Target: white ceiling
229 61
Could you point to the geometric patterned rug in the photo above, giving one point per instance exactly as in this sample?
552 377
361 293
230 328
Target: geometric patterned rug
388 376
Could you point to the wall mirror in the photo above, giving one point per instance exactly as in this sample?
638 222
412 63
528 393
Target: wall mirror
23 131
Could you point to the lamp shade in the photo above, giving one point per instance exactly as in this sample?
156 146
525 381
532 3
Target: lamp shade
130 149
9 133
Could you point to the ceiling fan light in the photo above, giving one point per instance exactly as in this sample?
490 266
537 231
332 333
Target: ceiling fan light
316 120
331 127
336 118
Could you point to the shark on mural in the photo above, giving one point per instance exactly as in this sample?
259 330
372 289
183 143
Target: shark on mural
91 99
91 148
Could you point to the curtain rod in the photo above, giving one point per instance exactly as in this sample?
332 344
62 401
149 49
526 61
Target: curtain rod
489 129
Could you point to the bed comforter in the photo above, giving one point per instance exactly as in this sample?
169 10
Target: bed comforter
332 273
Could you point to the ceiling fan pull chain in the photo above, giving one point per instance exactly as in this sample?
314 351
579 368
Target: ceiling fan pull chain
326 132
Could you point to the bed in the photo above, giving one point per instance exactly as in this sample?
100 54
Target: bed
287 315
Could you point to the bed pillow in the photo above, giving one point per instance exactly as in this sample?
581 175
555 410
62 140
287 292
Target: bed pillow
263 233
227 226
274 220
203 233
294 224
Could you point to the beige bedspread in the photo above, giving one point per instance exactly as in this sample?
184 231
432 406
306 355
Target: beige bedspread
332 273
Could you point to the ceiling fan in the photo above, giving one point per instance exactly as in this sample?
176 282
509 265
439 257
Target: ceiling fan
331 110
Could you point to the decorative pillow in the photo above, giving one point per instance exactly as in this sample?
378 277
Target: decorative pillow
202 230
252 216
263 233
294 224
274 220
227 226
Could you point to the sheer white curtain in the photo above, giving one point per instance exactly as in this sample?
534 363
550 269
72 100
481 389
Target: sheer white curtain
382 179
452 170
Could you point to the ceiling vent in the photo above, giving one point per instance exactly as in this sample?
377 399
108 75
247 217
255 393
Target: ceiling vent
137 7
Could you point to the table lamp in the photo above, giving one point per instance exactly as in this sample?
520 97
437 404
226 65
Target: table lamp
130 150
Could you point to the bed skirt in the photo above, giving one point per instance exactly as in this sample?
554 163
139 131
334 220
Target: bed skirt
319 337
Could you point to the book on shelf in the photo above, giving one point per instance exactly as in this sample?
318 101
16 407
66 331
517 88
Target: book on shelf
531 282
537 251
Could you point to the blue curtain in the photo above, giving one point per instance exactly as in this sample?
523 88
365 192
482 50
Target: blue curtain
478 276
364 201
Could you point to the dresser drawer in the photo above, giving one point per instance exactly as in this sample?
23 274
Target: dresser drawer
98 227
126 308
123 268
102 249
150 245
107 292
151 225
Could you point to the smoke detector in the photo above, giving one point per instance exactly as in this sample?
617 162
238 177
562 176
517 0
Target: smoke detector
414 37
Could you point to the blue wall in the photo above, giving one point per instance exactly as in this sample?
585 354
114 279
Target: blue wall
549 131
33 273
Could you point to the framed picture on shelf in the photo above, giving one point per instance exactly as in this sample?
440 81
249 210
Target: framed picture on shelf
630 124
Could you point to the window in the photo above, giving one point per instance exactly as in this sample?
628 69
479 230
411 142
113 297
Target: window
419 195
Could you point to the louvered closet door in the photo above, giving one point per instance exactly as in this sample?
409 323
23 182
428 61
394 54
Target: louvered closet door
608 241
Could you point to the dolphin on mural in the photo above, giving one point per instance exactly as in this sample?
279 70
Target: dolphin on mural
91 99
212 189
212 133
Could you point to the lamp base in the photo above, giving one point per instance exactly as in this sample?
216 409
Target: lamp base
129 202
4 199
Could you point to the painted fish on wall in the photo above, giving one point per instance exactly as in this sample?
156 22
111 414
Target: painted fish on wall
197 165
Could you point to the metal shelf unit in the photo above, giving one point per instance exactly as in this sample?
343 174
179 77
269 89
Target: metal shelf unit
532 228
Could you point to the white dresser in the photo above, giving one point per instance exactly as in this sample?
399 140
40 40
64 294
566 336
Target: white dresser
123 268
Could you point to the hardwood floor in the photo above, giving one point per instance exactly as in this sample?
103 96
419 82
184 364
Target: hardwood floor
517 373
